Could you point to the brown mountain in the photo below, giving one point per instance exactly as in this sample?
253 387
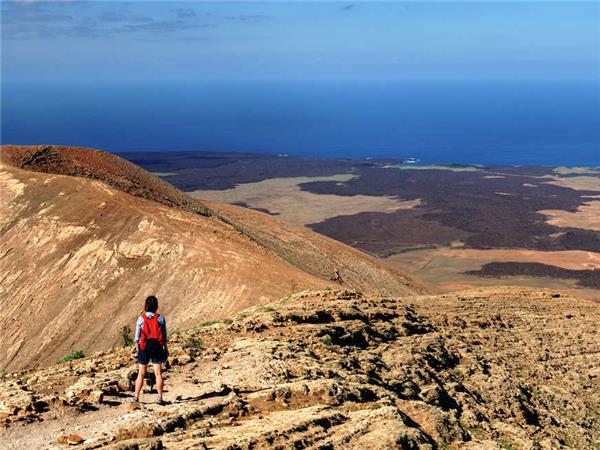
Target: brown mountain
85 236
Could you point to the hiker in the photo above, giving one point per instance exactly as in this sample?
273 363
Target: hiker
151 336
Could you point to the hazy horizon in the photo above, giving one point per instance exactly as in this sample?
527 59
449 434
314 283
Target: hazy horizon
483 82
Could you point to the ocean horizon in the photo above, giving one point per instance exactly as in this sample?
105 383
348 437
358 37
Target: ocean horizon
483 122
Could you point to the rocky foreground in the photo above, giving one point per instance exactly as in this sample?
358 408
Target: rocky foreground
499 369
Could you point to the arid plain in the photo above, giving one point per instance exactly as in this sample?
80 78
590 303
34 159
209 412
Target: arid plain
408 214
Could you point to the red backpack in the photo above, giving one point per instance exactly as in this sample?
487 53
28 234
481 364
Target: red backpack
151 330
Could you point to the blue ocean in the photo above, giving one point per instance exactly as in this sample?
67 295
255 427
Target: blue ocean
491 122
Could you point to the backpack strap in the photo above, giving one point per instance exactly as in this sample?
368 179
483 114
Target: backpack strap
142 332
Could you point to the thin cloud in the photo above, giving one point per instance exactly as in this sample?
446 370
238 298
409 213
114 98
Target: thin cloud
51 31
117 16
185 13
163 26
348 7
248 17
32 13
238 17
45 20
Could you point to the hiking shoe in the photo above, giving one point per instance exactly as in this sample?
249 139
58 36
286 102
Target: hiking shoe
160 401
135 400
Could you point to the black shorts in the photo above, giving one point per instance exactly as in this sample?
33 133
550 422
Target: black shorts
152 352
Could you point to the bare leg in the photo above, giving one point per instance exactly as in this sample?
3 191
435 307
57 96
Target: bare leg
159 379
139 381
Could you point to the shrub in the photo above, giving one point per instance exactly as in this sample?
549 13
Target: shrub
326 340
193 343
77 354
227 321
126 338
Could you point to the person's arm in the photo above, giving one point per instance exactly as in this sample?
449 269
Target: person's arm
163 326
138 329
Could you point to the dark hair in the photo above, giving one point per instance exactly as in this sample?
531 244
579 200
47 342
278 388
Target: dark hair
151 304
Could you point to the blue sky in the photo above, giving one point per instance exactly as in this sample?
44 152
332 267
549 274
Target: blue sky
83 40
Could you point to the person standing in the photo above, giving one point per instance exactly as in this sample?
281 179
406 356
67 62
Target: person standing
151 337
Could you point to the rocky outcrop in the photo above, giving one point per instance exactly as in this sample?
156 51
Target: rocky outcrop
495 369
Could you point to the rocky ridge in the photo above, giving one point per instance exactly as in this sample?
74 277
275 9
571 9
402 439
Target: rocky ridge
97 165
490 368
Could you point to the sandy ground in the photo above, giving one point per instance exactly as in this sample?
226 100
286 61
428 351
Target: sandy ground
577 170
445 267
582 183
586 217
281 196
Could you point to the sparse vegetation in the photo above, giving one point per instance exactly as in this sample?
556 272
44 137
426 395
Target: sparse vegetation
209 323
3 373
76 354
193 343
327 289
174 332
326 340
25 380
476 432
228 321
126 338
266 309
457 372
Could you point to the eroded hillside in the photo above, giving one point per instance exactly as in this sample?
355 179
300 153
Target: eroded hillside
483 369
85 237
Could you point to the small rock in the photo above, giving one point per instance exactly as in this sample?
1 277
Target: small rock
96 396
74 439
133 406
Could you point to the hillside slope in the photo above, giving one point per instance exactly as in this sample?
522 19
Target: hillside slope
484 369
319 255
85 236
